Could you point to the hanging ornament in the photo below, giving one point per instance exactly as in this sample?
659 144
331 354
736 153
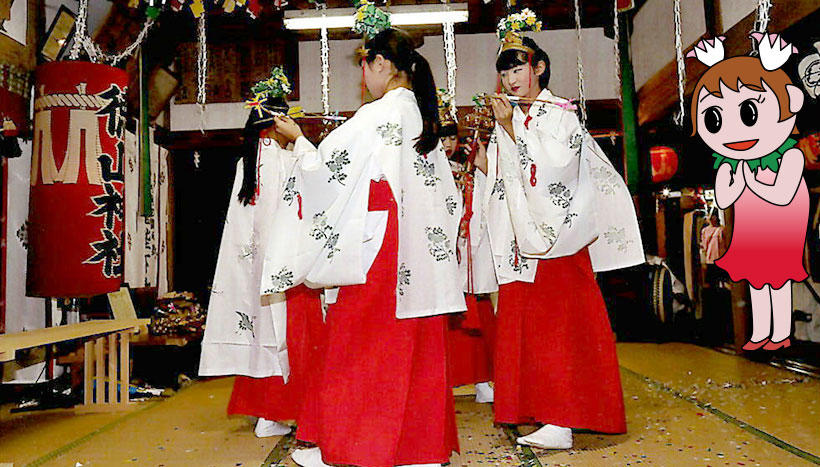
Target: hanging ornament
809 71
581 94
95 53
617 46
681 67
761 21
450 59
202 72
325 70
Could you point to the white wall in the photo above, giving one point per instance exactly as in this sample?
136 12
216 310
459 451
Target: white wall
475 58
732 11
653 36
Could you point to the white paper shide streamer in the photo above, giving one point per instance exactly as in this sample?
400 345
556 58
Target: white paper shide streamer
762 20
95 53
617 47
450 59
680 64
581 93
202 72
325 72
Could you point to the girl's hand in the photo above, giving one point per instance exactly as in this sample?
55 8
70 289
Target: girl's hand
502 109
286 127
481 154
728 186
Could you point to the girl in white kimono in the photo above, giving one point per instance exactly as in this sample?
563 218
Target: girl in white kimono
557 211
380 219
471 334
244 337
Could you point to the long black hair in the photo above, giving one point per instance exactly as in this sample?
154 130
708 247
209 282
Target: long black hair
250 143
512 58
397 46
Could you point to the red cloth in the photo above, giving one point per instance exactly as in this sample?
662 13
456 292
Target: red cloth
271 398
470 340
768 240
384 397
555 360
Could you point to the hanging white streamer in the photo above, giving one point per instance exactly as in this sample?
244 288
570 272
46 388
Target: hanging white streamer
680 64
325 72
450 59
617 47
762 20
95 53
202 72
581 94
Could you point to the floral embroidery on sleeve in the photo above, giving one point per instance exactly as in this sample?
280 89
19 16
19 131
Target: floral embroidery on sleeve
618 237
548 232
605 180
576 142
426 169
390 133
438 244
451 205
560 194
568 219
523 153
324 231
498 187
280 281
338 160
518 262
245 323
403 278
290 191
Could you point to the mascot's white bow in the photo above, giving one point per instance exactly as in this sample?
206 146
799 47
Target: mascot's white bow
774 50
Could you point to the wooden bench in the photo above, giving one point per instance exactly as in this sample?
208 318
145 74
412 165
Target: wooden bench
100 335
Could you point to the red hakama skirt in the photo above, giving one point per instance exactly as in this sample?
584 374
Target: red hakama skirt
384 398
555 360
271 398
470 341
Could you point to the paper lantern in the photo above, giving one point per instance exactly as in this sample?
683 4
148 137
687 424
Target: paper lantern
76 197
664 163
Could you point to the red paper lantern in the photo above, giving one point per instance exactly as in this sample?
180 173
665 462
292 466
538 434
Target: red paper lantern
76 198
664 163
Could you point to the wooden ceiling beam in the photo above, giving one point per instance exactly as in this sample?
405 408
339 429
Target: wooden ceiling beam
659 95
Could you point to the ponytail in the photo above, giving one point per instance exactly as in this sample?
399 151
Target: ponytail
249 150
425 90
397 46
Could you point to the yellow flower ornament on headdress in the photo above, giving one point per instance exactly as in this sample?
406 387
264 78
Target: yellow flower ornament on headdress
446 103
510 30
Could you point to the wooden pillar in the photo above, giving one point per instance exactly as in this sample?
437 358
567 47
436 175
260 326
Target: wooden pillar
629 116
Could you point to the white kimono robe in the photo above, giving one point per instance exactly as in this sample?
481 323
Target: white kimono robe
242 335
328 245
553 193
483 269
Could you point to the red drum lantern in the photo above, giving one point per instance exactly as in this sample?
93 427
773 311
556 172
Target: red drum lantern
76 198
664 163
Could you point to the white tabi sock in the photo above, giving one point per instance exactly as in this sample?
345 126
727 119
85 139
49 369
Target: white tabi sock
311 457
484 393
266 428
548 437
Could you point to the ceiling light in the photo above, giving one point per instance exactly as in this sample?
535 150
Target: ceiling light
402 15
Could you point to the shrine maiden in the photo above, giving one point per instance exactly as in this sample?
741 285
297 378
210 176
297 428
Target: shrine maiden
470 334
244 337
557 211
379 217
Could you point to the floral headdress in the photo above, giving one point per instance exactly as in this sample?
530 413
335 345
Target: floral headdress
276 86
510 30
370 20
